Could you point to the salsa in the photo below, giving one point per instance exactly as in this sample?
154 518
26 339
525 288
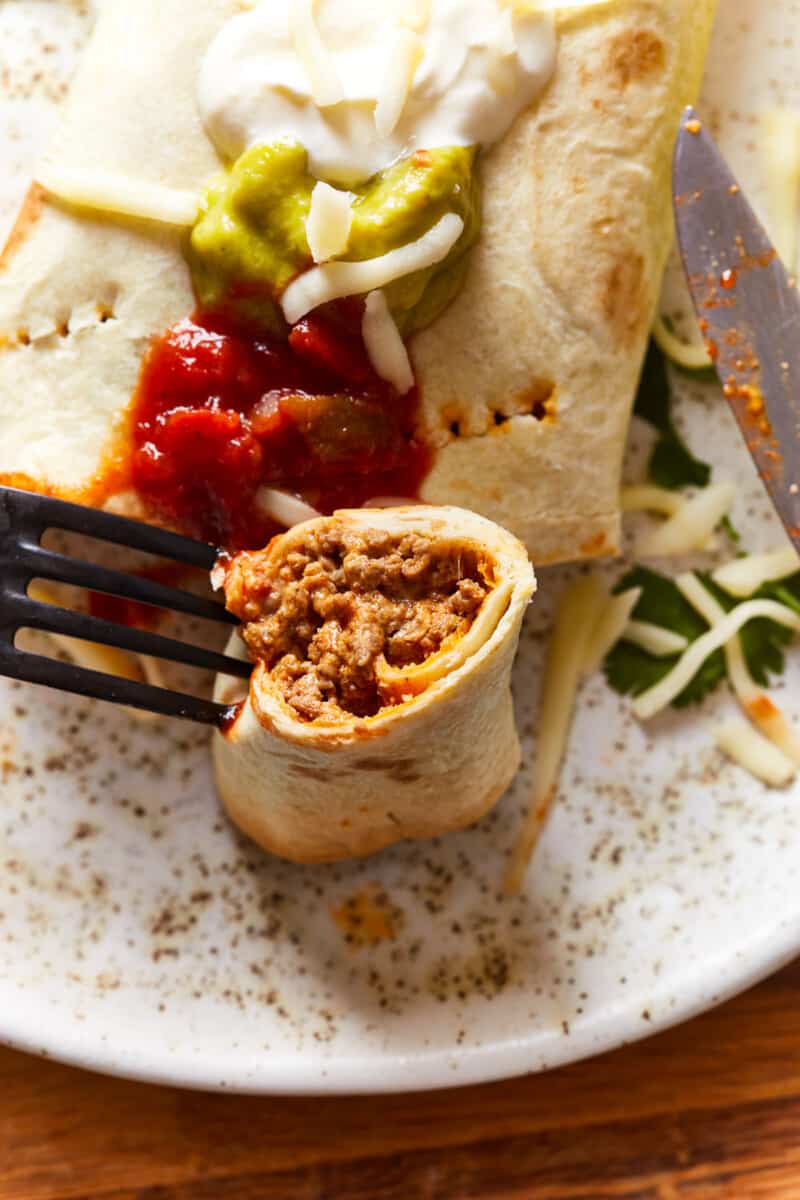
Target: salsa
223 410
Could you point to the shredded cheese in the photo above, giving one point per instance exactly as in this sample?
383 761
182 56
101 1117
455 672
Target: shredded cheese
108 660
285 509
692 356
501 70
333 281
692 527
91 655
530 7
562 673
318 64
329 222
743 576
385 346
756 704
747 747
609 626
397 683
667 689
416 14
152 671
647 497
109 192
781 144
654 639
407 52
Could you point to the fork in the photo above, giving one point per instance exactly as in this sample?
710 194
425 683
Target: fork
24 518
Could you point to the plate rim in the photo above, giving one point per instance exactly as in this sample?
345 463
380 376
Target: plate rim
295 1075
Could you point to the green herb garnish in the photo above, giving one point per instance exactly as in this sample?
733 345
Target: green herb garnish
672 464
631 670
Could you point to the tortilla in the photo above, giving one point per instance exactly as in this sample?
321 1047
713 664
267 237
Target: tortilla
322 784
527 380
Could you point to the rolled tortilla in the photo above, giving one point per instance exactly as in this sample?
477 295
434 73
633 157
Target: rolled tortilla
527 380
415 616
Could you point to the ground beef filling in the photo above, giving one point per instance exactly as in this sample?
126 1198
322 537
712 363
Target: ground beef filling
321 618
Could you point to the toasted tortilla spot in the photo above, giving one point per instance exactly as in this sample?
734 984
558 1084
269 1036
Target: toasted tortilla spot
634 54
27 218
596 545
624 299
537 400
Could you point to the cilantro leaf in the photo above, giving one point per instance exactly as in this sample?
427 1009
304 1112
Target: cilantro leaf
733 533
785 591
672 464
631 670
763 641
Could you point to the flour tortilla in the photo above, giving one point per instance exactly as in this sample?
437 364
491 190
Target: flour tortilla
527 380
319 793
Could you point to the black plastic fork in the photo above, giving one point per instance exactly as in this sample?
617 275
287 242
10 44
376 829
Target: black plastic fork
24 518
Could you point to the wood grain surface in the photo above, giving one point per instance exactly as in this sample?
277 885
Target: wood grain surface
708 1110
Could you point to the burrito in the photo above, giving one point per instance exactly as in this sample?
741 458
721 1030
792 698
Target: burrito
379 707
346 250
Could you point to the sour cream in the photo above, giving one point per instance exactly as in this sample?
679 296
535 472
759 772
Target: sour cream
476 66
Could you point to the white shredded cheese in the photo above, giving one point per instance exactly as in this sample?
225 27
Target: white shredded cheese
318 63
692 527
751 750
284 508
333 281
416 14
667 689
575 619
152 671
329 222
692 356
500 55
756 704
92 656
612 620
384 345
647 497
711 610
407 52
781 143
654 639
743 576
109 192
539 6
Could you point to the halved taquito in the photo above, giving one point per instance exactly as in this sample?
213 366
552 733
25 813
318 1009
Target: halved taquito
380 705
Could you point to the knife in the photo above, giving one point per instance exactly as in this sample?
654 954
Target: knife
748 308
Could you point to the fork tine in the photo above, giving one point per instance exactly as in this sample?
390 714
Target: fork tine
34 513
116 583
65 677
24 613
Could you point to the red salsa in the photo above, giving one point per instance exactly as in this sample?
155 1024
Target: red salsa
222 411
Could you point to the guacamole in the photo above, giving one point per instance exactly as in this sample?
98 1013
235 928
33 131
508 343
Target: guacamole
250 242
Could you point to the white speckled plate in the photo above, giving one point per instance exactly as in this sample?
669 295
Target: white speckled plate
140 935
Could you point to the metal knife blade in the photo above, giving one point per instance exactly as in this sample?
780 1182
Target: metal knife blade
748 308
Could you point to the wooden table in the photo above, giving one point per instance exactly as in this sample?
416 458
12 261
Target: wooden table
708 1110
